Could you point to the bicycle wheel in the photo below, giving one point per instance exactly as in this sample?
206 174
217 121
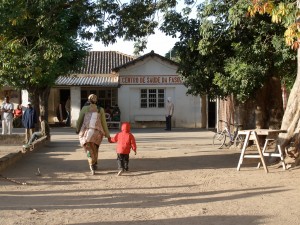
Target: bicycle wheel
239 141
219 139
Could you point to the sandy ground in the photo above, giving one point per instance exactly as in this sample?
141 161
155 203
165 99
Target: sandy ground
176 178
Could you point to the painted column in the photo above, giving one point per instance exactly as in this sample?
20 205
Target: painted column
75 93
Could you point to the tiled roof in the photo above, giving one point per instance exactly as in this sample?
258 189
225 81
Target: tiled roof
96 63
102 62
150 54
87 81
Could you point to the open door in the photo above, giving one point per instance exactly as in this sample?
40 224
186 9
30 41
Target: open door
212 105
61 111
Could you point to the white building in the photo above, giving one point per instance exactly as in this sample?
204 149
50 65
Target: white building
139 86
145 84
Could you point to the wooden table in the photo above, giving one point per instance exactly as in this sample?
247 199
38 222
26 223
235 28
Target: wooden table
256 135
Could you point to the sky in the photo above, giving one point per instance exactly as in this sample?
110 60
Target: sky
159 43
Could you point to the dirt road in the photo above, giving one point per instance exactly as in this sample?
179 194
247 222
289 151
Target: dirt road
176 178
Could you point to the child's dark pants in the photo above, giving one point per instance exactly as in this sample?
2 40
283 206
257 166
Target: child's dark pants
123 161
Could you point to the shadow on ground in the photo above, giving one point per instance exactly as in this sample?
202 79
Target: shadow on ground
199 220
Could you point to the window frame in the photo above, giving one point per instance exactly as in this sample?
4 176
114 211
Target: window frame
152 98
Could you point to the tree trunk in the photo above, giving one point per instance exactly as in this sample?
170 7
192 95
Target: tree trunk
39 99
34 98
290 121
269 108
43 99
245 114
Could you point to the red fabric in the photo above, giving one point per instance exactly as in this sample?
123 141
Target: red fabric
18 112
125 140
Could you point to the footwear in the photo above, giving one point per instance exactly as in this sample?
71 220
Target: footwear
120 173
95 167
92 169
27 146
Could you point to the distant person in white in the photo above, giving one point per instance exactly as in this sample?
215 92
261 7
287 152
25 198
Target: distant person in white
7 116
169 113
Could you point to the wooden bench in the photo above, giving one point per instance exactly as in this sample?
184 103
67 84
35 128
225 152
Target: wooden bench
111 123
114 124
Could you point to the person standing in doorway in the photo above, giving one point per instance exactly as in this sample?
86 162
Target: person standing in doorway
91 126
29 121
68 110
169 113
7 116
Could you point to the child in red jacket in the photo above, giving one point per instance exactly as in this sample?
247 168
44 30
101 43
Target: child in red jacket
126 141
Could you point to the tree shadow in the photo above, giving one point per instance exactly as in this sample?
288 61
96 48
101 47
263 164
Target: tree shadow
117 198
56 155
191 220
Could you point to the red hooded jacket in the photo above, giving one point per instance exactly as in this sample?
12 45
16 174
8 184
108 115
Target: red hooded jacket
125 140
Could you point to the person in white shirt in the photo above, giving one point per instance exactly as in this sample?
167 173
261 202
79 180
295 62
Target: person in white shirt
7 116
169 113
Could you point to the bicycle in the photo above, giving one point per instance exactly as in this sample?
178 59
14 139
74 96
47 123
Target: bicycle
220 137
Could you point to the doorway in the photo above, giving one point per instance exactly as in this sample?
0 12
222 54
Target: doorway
61 112
212 113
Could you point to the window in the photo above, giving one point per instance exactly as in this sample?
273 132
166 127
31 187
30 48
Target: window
152 98
106 96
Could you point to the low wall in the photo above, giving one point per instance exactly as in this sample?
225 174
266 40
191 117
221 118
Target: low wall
19 152
12 139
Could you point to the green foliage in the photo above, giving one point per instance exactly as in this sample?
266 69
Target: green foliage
224 52
39 39
38 42
220 52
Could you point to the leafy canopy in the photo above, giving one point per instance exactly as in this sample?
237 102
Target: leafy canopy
39 38
38 42
222 52
284 12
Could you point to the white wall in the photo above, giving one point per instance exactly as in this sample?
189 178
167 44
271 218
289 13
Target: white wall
187 111
75 104
150 66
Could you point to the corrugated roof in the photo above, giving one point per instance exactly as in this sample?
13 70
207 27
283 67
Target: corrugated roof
98 67
102 62
87 81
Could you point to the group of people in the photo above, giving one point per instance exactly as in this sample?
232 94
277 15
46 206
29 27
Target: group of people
28 119
92 127
114 113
